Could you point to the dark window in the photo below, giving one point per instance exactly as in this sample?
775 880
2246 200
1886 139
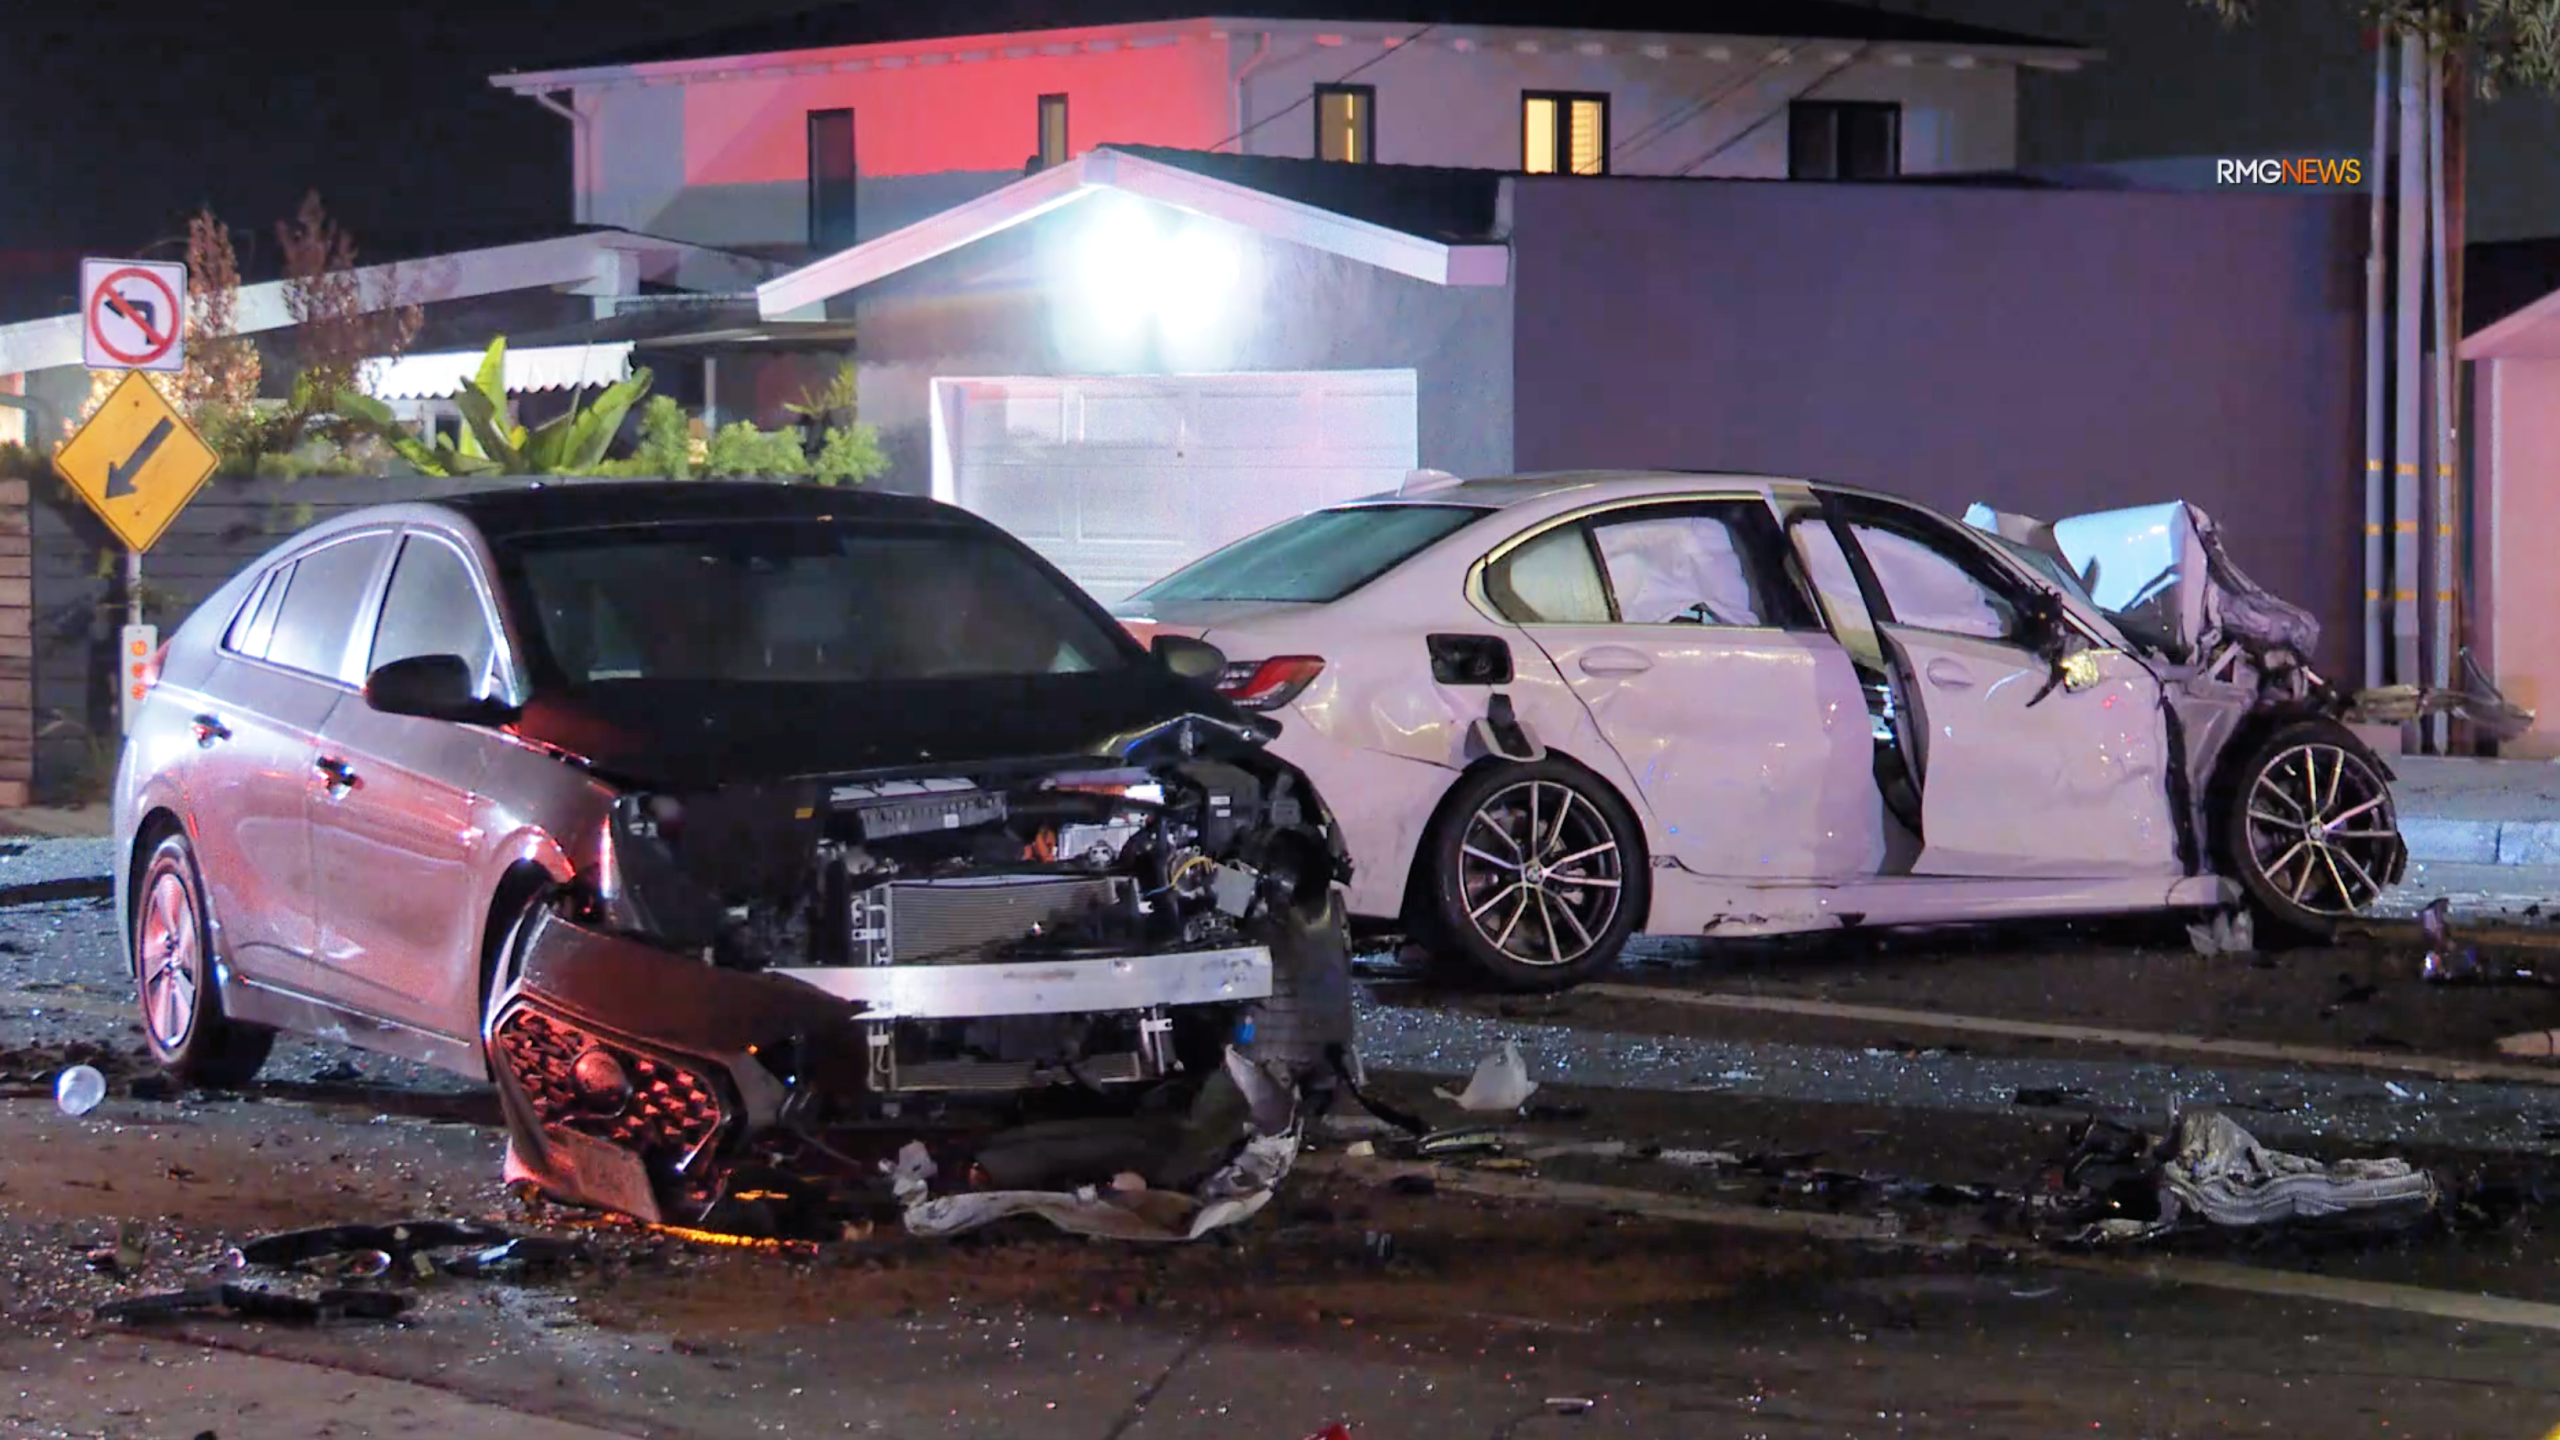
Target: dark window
1844 140
321 606
257 619
433 608
1564 134
796 601
831 177
1347 123
1317 557
1053 130
1714 562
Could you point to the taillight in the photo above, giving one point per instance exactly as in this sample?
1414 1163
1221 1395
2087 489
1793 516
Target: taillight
1269 684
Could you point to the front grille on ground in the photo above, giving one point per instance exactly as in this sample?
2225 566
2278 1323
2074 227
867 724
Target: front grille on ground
661 1108
957 921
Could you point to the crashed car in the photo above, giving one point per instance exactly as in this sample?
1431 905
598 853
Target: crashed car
1563 710
703 818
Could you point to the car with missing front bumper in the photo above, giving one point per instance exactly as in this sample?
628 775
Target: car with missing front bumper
1562 710
708 820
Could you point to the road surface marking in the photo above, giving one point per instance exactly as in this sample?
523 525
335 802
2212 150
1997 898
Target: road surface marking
2441 1067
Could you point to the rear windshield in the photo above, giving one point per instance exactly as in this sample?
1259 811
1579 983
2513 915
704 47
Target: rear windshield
815 602
1320 556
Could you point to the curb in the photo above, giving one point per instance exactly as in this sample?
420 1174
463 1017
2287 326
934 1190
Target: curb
47 892
2482 842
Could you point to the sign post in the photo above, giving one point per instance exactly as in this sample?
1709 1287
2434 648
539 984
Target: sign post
137 461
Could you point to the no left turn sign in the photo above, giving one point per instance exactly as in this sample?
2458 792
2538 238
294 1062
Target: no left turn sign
133 315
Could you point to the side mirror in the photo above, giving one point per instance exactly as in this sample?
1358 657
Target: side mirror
1191 659
433 687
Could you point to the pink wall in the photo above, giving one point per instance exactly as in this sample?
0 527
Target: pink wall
964 116
2519 455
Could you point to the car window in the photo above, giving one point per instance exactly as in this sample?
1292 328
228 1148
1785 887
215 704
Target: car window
1697 564
1827 566
1929 589
432 608
1552 580
799 601
1317 557
320 607
257 619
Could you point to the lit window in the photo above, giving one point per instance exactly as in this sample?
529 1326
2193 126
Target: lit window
1053 130
1844 140
1347 123
1566 134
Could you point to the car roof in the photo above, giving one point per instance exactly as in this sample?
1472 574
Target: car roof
528 509
1504 492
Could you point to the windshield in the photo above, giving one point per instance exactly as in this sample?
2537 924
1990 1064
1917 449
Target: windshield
800 601
2047 566
1320 556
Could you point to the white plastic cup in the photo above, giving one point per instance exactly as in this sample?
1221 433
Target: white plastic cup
79 1090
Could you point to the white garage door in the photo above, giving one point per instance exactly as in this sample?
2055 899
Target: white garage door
1119 481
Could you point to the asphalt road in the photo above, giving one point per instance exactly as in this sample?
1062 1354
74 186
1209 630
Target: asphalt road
1811 1285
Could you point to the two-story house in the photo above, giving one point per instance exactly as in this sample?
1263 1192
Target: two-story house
816 131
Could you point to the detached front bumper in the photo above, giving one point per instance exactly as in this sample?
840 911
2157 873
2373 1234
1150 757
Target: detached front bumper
631 1077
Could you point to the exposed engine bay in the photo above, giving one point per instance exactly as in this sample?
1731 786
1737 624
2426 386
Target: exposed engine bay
767 978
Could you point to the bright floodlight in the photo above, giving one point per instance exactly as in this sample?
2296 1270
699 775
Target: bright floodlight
1199 273
1120 260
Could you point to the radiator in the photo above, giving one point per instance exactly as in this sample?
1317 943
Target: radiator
946 922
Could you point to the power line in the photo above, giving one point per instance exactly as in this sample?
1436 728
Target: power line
1663 127
1781 108
1292 107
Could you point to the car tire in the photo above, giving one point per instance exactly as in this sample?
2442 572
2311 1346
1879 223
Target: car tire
1555 933
173 973
1308 1015
2309 830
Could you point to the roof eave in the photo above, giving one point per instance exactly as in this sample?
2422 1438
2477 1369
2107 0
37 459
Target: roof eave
2034 55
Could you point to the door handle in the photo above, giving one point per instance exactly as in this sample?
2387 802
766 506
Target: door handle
209 728
341 777
1950 674
1614 660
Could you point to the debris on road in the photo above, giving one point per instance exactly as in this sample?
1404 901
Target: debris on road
1245 1100
2532 1045
80 1090
2220 1174
1501 1084
249 1302
2232 932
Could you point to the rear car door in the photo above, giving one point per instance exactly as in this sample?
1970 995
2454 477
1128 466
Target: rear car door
278 678
1702 663
2022 775
392 831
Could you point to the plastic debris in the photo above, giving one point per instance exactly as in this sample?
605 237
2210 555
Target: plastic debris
2232 932
395 1243
2221 1175
1568 1404
80 1090
1501 1083
248 1302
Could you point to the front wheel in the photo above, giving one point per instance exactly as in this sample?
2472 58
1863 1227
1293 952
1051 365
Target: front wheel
182 1015
1537 875
2310 830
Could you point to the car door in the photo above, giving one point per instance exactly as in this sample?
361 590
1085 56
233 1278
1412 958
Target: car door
393 834
273 687
1702 663
2023 774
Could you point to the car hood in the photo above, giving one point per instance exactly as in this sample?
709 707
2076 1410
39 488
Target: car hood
687 735
2160 572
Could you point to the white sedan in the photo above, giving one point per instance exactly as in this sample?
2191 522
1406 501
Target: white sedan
1557 711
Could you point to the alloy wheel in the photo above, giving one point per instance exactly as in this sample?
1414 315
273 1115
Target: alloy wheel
169 946
2321 829
1542 873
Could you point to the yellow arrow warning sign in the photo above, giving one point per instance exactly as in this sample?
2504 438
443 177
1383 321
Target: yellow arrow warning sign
137 462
